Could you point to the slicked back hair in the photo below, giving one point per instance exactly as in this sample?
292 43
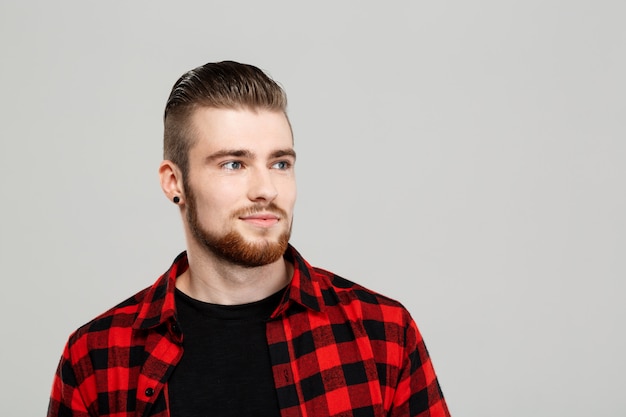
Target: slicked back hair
222 85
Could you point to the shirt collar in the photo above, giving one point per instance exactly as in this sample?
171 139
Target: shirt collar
158 305
304 289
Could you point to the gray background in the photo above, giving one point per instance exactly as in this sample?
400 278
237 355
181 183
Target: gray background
464 157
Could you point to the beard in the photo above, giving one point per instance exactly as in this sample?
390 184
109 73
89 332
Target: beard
232 246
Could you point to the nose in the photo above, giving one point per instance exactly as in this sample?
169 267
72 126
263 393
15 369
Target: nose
262 187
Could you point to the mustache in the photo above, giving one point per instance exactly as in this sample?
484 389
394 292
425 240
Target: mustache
261 208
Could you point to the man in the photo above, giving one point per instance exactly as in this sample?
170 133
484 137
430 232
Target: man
241 324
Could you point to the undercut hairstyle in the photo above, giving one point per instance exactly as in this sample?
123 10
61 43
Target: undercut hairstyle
222 85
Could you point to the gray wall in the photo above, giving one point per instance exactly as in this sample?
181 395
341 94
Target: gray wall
466 158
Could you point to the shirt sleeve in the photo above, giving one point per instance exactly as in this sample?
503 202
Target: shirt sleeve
418 392
65 398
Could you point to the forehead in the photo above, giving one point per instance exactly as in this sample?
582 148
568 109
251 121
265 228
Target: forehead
240 128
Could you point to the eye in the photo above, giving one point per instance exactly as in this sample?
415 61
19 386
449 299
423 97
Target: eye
282 165
232 165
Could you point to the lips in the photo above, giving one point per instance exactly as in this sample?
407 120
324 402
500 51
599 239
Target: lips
261 219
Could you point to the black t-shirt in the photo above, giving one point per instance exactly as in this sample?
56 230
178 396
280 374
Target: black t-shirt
225 369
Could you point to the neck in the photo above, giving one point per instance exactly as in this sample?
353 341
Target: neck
214 280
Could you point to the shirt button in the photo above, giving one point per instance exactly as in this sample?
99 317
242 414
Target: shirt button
149 392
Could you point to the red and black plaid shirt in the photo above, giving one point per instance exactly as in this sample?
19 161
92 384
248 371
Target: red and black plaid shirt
337 349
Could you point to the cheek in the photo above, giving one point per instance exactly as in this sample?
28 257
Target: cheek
217 190
289 192
214 202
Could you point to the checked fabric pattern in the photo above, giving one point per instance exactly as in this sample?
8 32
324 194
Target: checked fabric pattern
337 349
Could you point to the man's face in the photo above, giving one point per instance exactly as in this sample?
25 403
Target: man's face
241 188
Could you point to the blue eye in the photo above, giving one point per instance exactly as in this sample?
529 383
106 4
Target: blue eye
282 165
232 165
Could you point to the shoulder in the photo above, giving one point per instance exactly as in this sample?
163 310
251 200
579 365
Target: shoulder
332 282
387 325
118 318
359 301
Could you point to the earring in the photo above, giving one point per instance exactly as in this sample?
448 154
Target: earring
176 200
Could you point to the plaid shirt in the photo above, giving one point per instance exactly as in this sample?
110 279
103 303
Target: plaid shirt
337 349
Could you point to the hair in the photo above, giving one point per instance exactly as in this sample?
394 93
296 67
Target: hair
227 84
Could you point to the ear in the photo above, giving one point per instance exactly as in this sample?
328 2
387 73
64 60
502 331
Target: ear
171 181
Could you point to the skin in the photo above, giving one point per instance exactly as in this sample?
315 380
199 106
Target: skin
241 172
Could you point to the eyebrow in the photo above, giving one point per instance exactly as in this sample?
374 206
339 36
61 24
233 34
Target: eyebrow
244 153
283 152
238 153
